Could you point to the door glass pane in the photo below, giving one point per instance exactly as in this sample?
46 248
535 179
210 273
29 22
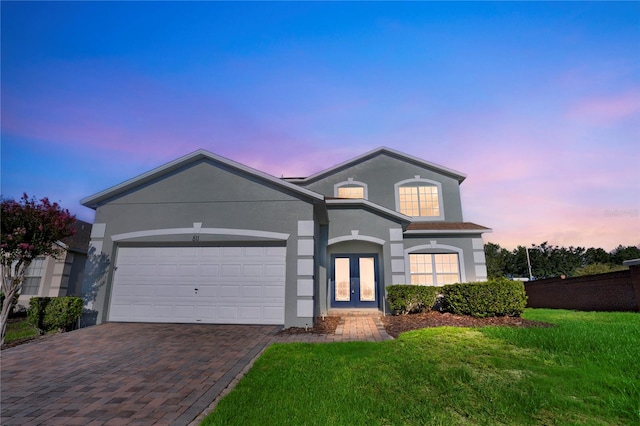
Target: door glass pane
343 287
367 280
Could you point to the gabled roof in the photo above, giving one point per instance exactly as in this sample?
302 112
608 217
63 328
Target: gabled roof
368 205
95 200
380 151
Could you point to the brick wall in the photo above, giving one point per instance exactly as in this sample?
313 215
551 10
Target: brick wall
614 291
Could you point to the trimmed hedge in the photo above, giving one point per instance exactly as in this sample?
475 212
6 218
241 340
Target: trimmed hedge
500 297
54 313
410 299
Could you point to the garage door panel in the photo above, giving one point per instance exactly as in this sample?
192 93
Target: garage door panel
228 291
209 251
164 311
250 312
144 291
209 270
243 285
128 270
274 271
167 291
188 270
252 291
140 311
230 270
273 292
183 313
228 313
252 270
271 313
254 251
206 313
184 291
166 270
207 291
275 252
232 251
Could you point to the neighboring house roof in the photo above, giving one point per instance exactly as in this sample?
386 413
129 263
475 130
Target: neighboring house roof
79 241
380 151
95 200
446 228
81 237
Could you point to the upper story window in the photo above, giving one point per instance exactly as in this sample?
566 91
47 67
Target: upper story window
351 192
419 198
350 189
419 201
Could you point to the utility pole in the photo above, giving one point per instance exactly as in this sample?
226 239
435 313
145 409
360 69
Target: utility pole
526 249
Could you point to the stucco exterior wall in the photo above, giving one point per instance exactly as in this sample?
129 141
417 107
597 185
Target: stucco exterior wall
381 184
470 251
203 195
355 230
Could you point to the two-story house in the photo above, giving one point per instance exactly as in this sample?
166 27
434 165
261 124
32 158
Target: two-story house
206 239
62 275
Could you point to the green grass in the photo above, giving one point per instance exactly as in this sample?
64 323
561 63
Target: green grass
19 330
585 371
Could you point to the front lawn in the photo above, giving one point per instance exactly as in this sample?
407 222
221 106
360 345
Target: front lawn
584 371
18 330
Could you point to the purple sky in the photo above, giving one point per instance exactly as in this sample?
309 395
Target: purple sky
538 103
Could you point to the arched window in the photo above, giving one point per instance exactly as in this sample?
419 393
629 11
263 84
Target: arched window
350 189
419 198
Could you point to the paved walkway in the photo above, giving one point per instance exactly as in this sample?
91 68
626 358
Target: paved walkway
140 374
351 328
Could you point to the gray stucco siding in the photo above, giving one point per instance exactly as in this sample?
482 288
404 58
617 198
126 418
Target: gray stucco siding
344 220
372 237
439 243
204 196
203 181
380 173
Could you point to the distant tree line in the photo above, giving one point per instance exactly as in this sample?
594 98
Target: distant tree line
552 261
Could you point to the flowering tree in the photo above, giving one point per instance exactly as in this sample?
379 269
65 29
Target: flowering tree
30 228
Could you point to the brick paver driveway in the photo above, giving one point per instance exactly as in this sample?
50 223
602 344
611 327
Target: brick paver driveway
125 374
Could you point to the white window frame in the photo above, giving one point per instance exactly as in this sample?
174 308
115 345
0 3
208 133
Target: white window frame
416 182
434 274
351 183
37 265
434 248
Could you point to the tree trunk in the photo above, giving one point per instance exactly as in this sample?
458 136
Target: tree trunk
12 279
6 310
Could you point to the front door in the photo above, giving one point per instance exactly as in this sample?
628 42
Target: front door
354 281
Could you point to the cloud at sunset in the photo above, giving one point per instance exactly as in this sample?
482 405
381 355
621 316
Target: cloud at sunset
608 110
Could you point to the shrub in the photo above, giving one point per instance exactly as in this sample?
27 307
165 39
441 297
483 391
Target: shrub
35 312
500 297
54 313
409 299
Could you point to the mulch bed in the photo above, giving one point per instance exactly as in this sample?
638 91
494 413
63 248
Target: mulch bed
394 325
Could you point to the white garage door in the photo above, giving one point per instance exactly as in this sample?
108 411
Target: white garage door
224 285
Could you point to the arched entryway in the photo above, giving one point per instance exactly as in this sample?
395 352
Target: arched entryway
355 272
